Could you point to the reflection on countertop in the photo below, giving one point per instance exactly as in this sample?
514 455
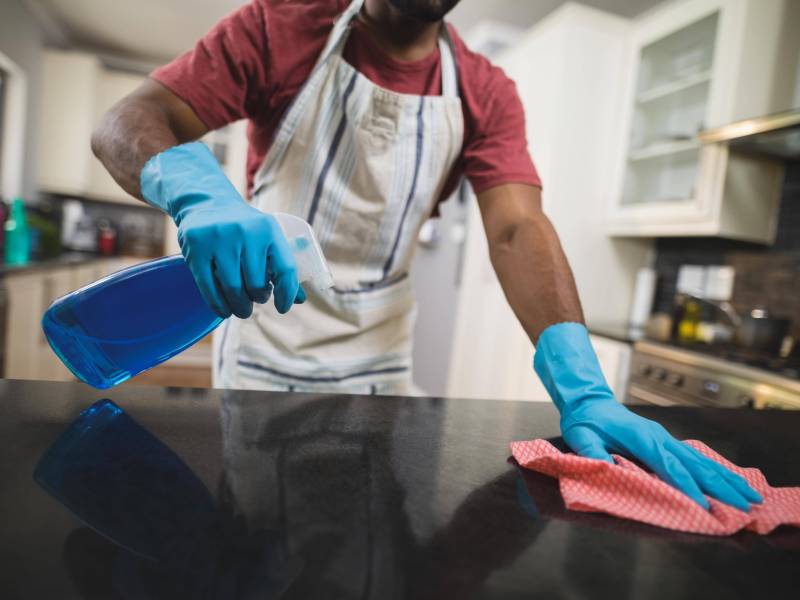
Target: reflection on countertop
304 496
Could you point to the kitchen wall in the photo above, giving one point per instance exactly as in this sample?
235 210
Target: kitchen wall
436 277
769 276
796 102
21 41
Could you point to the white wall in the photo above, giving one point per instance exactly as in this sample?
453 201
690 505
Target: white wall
21 41
525 13
796 102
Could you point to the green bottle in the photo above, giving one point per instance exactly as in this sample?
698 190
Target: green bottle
17 235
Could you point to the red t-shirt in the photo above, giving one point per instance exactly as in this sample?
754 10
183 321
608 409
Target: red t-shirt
254 61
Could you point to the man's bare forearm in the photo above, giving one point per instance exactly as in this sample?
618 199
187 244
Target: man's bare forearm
536 277
139 126
529 261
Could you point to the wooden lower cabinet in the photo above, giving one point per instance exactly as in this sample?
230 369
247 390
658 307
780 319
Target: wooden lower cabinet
191 368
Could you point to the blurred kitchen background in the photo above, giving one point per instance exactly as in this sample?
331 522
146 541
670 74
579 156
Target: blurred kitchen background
667 135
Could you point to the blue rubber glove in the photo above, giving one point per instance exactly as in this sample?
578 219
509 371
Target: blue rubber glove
236 253
593 423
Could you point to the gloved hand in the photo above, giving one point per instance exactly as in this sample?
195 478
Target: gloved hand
235 252
593 423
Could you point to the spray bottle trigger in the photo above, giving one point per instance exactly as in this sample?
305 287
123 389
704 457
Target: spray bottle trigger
312 268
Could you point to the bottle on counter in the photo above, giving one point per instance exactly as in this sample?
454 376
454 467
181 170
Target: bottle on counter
106 238
17 235
687 328
689 286
45 238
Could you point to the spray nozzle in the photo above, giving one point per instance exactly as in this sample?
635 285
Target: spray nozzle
312 267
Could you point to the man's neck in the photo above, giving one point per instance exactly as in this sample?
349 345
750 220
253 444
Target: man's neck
401 37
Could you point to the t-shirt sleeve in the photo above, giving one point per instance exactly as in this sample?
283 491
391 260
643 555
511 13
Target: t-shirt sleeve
226 71
496 152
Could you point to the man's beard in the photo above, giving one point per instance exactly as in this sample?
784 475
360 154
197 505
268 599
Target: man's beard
424 10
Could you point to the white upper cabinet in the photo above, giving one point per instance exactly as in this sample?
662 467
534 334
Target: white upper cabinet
77 90
111 87
697 64
69 80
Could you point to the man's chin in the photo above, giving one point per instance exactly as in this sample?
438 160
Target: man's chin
429 11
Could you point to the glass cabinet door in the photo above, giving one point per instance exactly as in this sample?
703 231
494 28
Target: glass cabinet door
671 101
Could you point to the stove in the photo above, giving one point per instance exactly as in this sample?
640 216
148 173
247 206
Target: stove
785 366
715 376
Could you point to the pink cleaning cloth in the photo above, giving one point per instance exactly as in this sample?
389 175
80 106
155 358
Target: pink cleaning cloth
628 491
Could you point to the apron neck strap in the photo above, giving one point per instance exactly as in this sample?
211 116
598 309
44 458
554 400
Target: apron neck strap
341 31
447 54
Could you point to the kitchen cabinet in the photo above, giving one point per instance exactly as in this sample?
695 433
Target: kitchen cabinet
111 87
568 75
697 64
615 361
27 353
190 368
77 90
67 116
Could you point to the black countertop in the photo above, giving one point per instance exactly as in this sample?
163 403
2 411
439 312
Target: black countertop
299 496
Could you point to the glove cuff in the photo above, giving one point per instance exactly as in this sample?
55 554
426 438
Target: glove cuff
568 367
179 177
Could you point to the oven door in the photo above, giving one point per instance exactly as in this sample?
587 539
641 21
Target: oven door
664 380
643 394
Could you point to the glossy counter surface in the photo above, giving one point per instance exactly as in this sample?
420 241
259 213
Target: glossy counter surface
296 496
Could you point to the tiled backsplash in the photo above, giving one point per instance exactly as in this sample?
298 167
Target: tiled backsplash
768 276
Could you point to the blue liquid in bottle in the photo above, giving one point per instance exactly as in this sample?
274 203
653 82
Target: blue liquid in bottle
117 327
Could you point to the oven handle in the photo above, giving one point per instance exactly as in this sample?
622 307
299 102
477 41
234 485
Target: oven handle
639 393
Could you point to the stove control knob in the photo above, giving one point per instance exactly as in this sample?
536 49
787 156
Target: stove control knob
645 370
659 374
675 380
747 401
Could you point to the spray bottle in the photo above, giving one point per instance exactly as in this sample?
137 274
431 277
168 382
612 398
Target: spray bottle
111 330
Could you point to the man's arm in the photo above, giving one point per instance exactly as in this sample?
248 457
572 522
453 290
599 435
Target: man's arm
538 283
527 257
236 253
141 125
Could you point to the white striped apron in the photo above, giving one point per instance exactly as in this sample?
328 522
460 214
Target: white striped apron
364 166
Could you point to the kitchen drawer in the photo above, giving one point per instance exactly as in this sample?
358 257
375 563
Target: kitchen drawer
28 355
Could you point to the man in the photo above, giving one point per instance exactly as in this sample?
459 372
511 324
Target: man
362 115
